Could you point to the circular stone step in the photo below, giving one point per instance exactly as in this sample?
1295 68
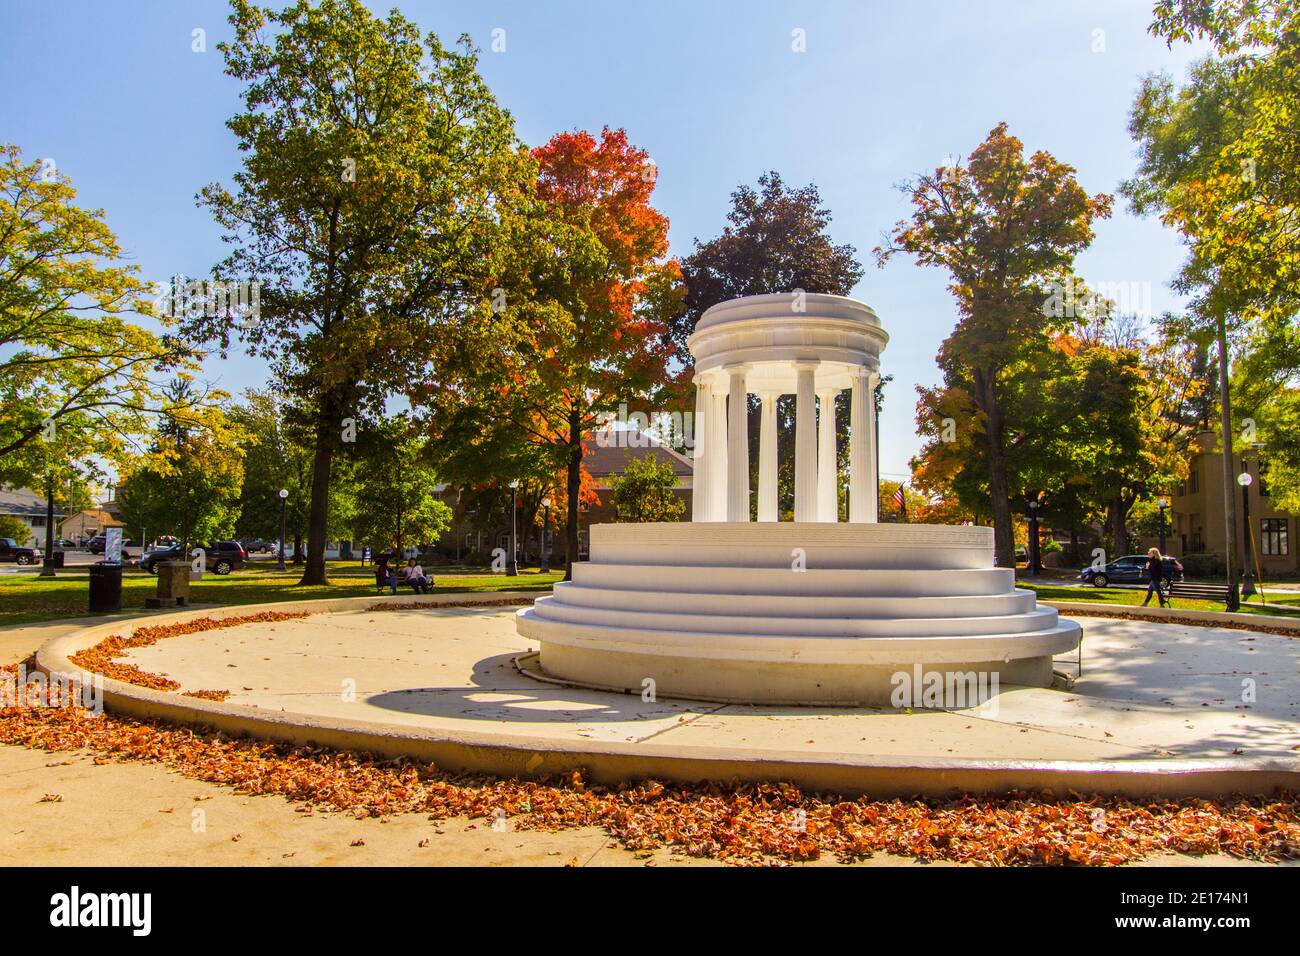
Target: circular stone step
761 612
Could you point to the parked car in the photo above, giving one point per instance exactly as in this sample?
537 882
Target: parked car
98 543
259 546
11 551
1130 569
220 557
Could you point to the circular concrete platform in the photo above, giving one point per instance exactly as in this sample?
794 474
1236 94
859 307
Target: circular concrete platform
1160 708
788 612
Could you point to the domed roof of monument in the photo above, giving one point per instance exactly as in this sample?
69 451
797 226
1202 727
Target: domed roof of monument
790 306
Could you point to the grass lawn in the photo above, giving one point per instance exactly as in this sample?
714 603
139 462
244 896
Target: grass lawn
26 599
1284 606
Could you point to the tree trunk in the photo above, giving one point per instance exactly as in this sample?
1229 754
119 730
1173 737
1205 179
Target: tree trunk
1117 514
1004 537
1075 558
318 515
1225 423
297 547
47 562
573 485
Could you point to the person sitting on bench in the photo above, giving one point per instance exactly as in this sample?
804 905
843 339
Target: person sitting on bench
415 577
384 577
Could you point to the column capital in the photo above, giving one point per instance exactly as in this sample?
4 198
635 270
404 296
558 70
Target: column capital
806 365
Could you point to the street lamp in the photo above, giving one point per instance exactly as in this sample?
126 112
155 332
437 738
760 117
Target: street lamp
1245 480
1035 567
512 566
546 524
284 499
1163 503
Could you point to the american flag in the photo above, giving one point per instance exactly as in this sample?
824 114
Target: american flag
901 500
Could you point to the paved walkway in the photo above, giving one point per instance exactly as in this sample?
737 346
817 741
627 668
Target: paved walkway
125 814
1148 690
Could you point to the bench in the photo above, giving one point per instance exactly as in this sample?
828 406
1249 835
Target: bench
1199 592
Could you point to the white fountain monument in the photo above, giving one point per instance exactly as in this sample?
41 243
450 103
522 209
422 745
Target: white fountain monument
809 611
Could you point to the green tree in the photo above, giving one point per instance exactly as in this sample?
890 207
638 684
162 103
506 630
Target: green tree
16 528
1220 161
1006 228
277 455
73 370
398 503
378 180
776 240
644 492
189 482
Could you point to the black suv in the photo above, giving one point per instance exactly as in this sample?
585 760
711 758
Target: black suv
11 551
221 557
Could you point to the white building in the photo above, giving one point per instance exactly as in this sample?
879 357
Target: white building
29 507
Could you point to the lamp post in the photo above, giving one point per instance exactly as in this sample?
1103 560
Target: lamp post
1035 567
284 498
1163 503
546 524
512 565
1245 480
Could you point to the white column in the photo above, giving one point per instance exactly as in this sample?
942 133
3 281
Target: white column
873 466
767 460
805 444
858 479
718 449
827 473
700 460
737 445
863 500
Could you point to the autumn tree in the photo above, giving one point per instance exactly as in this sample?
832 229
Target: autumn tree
586 324
75 371
378 178
1005 227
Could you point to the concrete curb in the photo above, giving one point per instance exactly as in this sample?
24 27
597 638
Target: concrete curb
515 755
1209 618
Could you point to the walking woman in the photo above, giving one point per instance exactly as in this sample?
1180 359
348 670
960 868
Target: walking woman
1156 575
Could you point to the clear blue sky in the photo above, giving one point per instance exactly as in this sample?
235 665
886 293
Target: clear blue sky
112 92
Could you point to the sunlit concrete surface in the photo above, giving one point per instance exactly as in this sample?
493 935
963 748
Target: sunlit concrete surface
1148 690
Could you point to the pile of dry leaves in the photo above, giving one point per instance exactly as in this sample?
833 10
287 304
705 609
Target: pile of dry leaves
732 822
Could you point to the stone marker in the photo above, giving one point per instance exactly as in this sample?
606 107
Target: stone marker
173 585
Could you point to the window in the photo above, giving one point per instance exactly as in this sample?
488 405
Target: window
1193 480
1273 535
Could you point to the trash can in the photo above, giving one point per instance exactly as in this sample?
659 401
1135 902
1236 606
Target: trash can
105 587
57 557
